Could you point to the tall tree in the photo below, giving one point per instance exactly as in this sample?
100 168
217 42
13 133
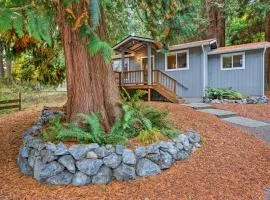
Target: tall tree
9 70
267 54
2 72
216 19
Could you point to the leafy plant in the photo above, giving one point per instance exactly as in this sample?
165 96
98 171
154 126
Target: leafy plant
150 136
223 93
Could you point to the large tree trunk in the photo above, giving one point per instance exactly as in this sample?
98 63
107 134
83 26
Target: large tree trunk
216 27
267 54
2 72
90 81
9 70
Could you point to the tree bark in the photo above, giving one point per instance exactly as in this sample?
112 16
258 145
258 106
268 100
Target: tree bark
267 53
91 82
2 72
9 71
216 27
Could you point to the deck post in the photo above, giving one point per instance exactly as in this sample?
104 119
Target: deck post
149 94
123 65
149 60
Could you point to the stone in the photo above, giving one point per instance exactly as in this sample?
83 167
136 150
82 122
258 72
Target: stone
89 166
50 146
47 156
119 149
92 146
152 148
34 143
103 176
193 137
179 146
81 179
50 169
182 155
63 178
146 167
78 151
68 162
91 155
129 157
24 166
153 157
112 160
168 147
101 152
61 149
124 172
165 160
24 152
140 152
33 155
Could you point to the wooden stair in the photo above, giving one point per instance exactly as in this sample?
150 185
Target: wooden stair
166 93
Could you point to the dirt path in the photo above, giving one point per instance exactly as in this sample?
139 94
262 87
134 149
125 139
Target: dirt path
231 165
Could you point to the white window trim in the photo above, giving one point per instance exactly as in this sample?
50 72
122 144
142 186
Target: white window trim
119 59
175 53
233 68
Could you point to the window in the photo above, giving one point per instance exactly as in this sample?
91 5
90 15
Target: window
177 61
117 65
233 61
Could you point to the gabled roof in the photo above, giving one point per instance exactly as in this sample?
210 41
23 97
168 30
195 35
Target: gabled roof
133 40
241 47
191 44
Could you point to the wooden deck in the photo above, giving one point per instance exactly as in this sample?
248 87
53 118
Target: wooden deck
161 83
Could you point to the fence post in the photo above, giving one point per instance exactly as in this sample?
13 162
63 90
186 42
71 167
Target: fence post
20 101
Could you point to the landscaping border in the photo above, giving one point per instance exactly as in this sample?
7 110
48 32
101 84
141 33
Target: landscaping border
84 164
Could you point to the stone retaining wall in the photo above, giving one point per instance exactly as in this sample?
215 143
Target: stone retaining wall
84 164
250 100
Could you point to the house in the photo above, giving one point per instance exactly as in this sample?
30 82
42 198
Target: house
186 70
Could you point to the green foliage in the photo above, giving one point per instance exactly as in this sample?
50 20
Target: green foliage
223 93
150 136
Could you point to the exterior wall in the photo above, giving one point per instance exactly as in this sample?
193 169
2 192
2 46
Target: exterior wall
248 81
190 79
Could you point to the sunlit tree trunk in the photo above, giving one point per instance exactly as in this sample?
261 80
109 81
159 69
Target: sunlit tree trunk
90 81
267 54
216 18
9 70
2 72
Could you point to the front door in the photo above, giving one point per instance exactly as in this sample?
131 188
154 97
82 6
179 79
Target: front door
145 68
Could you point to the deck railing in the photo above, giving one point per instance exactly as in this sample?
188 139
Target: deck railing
139 77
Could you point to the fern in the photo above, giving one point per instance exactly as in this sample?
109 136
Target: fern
18 24
5 20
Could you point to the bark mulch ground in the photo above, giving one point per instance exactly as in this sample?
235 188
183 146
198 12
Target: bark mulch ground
230 165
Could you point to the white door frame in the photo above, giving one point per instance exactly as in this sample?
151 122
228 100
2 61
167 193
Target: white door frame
147 66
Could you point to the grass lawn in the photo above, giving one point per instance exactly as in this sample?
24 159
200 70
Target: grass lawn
230 165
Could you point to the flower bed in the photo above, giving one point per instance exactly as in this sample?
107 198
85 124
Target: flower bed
83 164
250 100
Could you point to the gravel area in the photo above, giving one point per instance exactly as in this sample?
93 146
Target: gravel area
230 165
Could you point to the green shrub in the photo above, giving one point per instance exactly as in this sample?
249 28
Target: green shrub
223 93
150 136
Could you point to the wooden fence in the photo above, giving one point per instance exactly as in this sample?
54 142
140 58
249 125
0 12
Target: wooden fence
10 104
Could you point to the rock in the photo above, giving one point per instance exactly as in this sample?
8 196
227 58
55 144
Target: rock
108 146
152 148
63 178
153 157
47 156
129 157
193 137
68 162
101 152
24 152
168 147
146 167
89 166
33 155
124 172
182 155
103 176
78 151
24 166
91 147
119 149
91 155
215 101
34 143
140 152
184 140
61 149
81 179
179 146
50 146
112 160
165 160
50 169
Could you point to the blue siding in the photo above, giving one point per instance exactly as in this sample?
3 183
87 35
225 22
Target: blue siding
248 81
192 78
